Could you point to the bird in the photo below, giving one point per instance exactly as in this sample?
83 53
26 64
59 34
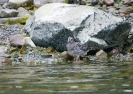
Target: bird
76 49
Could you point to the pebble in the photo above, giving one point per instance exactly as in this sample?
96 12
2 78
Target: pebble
7 61
126 10
3 49
128 2
108 2
94 2
131 15
114 52
17 40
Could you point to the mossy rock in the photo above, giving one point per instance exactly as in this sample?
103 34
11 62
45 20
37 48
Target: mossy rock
66 1
16 20
23 20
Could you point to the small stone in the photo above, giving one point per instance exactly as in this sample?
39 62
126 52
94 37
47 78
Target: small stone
111 10
126 10
94 2
66 56
5 55
114 52
101 52
108 2
81 2
4 13
23 12
3 49
20 58
17 40
127 2
100 55
20 3
131 14
6 5
16 56
7 61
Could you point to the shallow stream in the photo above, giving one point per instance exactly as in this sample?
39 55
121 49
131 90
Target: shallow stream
67 78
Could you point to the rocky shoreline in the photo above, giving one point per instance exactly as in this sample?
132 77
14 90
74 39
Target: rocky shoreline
21 53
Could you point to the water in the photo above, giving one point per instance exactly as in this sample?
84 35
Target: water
68 78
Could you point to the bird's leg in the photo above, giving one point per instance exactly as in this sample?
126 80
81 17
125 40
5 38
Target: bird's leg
77 58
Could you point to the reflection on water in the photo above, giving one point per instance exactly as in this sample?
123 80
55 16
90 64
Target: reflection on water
87 78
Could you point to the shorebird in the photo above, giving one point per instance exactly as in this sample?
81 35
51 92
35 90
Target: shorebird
76 49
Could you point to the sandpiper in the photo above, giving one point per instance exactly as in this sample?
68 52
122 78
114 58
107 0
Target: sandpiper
76 49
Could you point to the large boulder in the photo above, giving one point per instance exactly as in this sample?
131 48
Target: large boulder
53 23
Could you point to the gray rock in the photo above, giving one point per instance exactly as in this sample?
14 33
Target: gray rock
17 40
6 5
20 3
3 1
4 13
23 12
13 20
39 3
54 23
3 49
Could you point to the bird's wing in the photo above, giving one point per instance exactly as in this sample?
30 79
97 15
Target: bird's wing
83 47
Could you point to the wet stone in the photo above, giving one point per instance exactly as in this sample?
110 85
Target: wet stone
5 55
126 10
6 5
4 13
3 49
17 40
7 62
131 15
114 52
108 2
128 2
94 2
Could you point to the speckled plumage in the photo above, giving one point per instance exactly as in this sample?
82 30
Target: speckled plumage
76 49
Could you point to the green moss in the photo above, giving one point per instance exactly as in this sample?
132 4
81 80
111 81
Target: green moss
17 20
66 1
8 22
31 7
23 20
35 8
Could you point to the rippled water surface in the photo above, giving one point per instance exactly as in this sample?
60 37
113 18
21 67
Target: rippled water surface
87 78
